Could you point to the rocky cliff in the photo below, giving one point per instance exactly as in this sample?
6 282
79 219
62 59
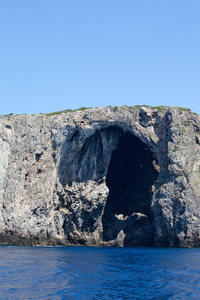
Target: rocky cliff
126 176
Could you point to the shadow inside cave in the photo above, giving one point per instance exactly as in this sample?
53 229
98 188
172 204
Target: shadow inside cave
131 171
130 177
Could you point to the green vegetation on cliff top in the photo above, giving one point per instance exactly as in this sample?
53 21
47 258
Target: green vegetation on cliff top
67 110
115 108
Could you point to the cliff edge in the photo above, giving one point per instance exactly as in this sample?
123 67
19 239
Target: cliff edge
116 176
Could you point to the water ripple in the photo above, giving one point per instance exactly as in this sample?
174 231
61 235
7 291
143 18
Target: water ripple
99 273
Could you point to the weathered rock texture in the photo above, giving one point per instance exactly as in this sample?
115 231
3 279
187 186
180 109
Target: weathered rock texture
124 176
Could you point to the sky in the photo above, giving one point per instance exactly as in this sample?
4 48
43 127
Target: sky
56 55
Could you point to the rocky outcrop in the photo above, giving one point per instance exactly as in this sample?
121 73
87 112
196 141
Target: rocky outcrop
126 176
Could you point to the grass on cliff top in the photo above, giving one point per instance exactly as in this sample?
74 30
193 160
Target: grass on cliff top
66 110
137 107
161 108
114 108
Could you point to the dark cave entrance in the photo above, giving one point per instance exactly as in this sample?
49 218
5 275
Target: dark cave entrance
130 177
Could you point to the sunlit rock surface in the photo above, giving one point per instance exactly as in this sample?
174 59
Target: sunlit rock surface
126 176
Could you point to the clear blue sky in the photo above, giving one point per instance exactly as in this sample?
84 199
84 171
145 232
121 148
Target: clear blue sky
64 54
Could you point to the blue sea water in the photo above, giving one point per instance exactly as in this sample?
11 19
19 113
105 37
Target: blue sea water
99 273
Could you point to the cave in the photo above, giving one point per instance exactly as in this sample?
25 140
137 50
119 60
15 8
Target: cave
132 173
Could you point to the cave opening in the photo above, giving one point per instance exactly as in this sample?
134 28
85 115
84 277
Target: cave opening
131 176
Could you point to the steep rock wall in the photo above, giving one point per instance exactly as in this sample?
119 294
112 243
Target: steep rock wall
106 176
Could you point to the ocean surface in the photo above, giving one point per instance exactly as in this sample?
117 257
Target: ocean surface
99 273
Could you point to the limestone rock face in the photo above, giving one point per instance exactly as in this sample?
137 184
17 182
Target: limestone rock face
127 176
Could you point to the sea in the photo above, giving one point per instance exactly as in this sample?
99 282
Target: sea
77 272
